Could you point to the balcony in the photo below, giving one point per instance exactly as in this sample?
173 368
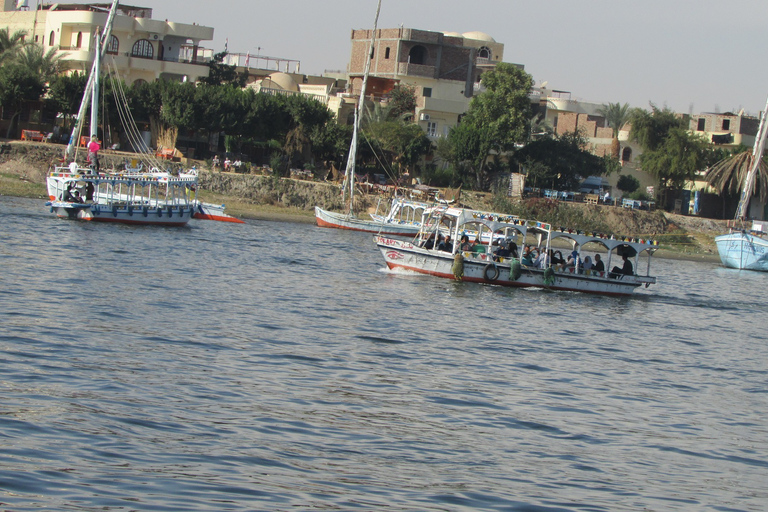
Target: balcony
407 69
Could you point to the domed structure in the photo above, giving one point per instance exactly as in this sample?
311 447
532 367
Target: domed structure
280 80
478 36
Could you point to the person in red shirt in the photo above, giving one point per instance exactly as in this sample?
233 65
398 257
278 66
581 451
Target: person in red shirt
93 153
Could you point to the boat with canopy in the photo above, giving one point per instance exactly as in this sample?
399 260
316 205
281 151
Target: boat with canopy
485 263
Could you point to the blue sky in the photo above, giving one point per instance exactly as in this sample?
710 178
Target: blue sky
690 55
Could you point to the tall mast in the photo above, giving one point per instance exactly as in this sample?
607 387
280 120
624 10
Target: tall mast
101 49
757 157
349 174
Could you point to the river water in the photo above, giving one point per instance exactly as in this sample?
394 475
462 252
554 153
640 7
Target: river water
278 366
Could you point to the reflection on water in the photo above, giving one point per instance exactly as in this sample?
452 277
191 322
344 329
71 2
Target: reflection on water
277 366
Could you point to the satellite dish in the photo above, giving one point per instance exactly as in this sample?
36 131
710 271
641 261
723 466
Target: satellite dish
544 84
22 5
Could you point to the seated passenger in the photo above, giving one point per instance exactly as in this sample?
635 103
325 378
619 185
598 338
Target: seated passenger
625 270
430 243
477 247
587 266
446 245
541 260
573 259
598 266
464 244
557 260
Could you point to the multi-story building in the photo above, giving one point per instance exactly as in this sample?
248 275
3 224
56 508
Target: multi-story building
444 69
140 48
726 130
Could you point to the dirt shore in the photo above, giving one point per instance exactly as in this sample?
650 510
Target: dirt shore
23 167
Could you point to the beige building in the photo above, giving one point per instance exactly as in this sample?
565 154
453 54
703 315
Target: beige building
141 48
726 130
444 68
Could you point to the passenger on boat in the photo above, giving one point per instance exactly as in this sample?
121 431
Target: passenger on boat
541 260
71 195
93 153
430 243
557 260
465 245
625 270
528 256
587 266
446 245
598 266
505 250
573 258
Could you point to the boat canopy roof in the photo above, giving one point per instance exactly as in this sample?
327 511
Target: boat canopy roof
501 222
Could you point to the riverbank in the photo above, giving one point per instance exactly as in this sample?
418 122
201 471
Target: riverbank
23 167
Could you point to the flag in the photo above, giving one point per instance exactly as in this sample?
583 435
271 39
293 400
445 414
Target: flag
247 59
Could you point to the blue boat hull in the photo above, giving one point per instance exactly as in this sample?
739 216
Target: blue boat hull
743 251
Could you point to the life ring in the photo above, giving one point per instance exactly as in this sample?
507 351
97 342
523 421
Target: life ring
491 272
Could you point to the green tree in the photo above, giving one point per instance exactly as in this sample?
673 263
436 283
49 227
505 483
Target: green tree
727 175
223 74
17 86
45 64
627 184
671 153
560 162
65 92
497 118
11 44
403 102
330 143
617 115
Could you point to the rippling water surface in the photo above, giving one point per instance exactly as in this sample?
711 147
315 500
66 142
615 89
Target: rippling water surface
278 366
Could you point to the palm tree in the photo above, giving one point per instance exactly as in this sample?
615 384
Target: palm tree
617 115
10 44
728 174
45 64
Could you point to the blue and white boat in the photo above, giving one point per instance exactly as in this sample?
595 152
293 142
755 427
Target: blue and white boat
745 250
742 248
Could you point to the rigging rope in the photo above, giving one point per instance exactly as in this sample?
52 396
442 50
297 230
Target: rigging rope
128 122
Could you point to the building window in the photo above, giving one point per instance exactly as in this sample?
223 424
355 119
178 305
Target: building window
702 124
143 48
427 92
726 124
484 52
417 55
386 53
51 39
113 45
79 42
432 129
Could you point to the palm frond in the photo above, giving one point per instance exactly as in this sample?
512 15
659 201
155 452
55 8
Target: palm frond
728 175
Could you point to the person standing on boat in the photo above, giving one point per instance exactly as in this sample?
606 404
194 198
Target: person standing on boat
93 153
